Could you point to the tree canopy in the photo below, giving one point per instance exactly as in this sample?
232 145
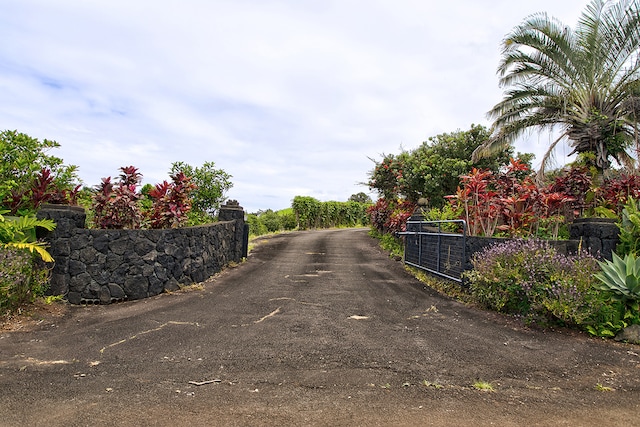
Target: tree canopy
28 174
360 197
211 186
432 170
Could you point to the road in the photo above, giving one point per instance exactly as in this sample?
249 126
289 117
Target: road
315 328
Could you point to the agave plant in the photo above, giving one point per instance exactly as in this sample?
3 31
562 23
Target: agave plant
19 233
622 278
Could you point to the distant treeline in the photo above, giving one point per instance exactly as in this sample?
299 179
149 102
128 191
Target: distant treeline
312 213
308 212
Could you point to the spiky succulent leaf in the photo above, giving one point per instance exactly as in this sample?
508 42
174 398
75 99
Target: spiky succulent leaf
621 277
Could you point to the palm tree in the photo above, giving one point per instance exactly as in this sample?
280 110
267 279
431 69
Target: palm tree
582 83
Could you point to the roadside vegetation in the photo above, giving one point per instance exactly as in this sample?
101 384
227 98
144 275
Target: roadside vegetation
530 280
30 177
193 196
269 221
309 213
582 84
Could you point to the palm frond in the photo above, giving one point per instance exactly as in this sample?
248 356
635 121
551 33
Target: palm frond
547 47
33 247
489 148
548 157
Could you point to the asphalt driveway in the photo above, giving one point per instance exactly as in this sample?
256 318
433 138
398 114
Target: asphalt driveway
315 328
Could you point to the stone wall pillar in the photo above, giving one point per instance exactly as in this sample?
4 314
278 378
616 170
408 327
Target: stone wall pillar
598 236
68 219
232 211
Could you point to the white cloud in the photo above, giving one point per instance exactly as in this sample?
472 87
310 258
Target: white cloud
289 97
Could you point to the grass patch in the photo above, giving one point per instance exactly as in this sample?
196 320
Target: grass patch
192 287
389 243
430 384
445 287
602 388
483 386
50 299
255 241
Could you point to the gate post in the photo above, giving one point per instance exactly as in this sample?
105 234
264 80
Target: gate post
232 211
69 220
598 235
414 225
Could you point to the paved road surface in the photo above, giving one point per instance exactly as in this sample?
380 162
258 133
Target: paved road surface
316 328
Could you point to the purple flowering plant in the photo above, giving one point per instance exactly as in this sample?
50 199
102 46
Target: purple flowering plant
21 279
530 278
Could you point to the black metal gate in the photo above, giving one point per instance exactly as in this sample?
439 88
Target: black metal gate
436 246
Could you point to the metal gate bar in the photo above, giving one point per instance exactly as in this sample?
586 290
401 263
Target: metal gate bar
437 251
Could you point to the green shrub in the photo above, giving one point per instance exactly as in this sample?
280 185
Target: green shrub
271 221
268 221
256 227
20 234
288 219
23 276
312 213
610 318
29 176
388 242
199 218
629 229
307 210
211 185
21 279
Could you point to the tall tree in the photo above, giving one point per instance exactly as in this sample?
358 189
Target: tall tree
432 170
582 83
211 184
360 197
25 168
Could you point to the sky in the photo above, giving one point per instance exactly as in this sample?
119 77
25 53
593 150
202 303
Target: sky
290 97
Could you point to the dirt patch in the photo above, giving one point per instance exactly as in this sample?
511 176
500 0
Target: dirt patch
28 317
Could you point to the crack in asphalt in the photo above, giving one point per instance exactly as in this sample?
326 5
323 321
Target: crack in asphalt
273 313
299 302
171 322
